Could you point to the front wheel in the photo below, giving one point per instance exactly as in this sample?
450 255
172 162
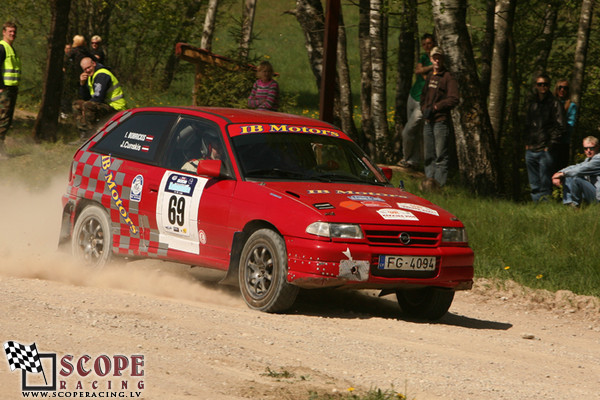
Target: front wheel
91 241
263 273
429 303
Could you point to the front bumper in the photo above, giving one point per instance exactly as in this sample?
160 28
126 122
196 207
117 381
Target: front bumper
318 263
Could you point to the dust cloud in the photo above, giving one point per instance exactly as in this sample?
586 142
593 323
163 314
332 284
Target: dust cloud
29 230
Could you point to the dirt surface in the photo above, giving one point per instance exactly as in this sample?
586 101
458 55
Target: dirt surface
200 341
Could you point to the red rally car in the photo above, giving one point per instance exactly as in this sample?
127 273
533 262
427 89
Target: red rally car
276 202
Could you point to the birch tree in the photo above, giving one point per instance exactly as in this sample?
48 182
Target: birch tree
505 11
581 49
473 131
309 14
248 12
378 86
209 25
366 78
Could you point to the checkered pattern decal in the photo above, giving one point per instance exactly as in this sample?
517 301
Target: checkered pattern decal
23 357
90 184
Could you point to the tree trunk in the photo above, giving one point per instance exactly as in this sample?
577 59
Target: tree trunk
545 40
487 47
583 37
345 107
209 25
309 14
408 41
378 88
46 123
182 36
473 131
247 24
367 135
505 12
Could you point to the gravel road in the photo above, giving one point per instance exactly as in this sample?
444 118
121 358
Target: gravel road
200 341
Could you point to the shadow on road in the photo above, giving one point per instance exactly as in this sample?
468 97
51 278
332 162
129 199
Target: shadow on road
332 303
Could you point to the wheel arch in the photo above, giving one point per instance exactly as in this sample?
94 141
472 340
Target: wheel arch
70 214
239 240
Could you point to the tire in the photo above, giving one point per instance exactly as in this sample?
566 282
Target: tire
91 241
263 273
428 303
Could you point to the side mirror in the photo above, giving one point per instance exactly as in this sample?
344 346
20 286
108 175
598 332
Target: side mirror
387 172
210 168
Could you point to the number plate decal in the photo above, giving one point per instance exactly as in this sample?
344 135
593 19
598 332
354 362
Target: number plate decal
407 263
177 211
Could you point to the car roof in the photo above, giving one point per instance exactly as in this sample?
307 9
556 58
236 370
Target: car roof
235 115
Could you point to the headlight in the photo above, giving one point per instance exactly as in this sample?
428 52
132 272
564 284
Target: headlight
454 235
331 230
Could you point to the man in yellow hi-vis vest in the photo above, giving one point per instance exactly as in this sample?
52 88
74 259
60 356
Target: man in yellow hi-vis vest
101 94
10 75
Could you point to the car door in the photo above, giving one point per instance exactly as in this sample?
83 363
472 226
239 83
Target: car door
192 211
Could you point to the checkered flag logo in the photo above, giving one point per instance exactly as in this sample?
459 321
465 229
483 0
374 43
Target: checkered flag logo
23 357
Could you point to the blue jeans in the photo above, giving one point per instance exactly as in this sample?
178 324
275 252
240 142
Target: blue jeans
576 190
539 170
411 146
435 142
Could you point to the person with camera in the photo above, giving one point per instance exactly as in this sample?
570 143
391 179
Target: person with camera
439 97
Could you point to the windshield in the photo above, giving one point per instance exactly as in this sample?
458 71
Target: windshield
301 157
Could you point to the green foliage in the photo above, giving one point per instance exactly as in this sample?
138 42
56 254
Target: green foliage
537 245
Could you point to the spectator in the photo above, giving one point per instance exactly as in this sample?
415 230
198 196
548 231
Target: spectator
411 138
10 75
101 94
97 50
265 91
545 129
439 96
561 92
78 51
581 182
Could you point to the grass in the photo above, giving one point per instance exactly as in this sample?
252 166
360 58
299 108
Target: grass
543 246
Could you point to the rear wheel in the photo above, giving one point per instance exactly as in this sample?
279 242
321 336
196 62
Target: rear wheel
429 303
263 273
91 241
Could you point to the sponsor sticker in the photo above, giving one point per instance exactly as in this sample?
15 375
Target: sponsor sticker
394 214
136 188
419 208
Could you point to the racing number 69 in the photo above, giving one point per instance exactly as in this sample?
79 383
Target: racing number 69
176 210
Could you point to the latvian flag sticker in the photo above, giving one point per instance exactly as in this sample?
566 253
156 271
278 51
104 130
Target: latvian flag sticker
145 149
149 138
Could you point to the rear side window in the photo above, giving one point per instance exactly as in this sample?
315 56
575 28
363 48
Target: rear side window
137 138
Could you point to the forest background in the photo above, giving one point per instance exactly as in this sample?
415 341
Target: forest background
544 247
495 48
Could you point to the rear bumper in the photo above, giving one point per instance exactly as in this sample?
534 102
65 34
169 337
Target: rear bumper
316 263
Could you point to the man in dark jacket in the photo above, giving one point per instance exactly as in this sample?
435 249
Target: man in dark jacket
439 96
544 131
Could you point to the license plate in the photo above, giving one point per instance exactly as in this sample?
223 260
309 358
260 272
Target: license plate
407 263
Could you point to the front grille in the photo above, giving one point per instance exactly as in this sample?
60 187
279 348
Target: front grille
390 236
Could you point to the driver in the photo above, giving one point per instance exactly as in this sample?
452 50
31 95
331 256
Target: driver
212 151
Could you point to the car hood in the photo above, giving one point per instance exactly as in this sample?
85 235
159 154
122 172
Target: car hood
339 202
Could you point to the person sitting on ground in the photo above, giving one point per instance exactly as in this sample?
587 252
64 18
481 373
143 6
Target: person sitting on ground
581 182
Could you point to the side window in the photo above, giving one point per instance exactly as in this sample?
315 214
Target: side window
137 138
194 140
